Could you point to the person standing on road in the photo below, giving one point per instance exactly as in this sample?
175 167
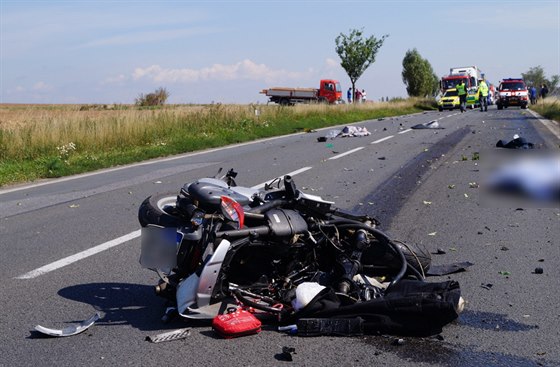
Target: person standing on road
462 93
483 95
533 94
349 95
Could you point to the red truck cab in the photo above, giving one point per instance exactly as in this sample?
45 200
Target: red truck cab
330 91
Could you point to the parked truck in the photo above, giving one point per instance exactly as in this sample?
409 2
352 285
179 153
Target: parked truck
329 92
471 75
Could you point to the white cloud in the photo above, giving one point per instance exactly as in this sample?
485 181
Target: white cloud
41 86
243 70
332 63
117 79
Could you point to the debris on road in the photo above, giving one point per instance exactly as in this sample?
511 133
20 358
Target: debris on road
169 336
347 131
539 270
428 125
517 143
286 354
447 269
69 330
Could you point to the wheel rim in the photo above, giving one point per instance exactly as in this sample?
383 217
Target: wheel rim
167 204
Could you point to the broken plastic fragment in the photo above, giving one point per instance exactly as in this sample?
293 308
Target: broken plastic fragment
448 268
169 336
69 330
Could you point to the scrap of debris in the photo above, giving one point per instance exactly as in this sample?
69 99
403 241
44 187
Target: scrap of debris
169 336
428 125
347 131
447 269
517 143
69 330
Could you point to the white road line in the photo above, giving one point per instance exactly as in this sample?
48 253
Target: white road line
551 125
346 153
382 139
107 245
405 131
79 256
296 172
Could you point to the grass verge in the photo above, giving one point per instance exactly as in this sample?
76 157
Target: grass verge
548 108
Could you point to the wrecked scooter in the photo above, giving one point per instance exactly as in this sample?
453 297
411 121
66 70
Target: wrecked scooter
287 255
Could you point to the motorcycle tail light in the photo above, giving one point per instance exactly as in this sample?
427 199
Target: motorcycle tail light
232 210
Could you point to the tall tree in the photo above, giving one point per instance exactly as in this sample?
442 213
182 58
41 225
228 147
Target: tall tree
535 76
357 53
418 75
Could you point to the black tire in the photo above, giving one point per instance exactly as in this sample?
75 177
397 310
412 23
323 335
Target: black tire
440 109
500 106
159 209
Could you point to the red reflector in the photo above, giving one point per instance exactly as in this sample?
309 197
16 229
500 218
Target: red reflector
232 210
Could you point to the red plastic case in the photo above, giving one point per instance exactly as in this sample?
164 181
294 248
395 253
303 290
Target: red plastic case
237 323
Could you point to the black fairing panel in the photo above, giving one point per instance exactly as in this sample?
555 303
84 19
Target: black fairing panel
209 195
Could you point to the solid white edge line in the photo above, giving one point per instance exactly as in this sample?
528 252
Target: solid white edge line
144 163
107 245
346 153
79 256
405 131
549 124
382 139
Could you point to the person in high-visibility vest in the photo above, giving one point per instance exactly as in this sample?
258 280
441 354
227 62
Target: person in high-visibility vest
462 93
483 95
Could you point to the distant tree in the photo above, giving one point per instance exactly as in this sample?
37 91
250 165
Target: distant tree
157 98
535 76
357 53
418 75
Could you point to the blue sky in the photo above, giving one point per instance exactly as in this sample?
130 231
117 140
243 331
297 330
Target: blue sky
227 51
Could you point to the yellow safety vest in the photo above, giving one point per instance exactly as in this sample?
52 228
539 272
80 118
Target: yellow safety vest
461 89
483 89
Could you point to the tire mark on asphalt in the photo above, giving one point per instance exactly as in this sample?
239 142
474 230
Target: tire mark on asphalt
391 195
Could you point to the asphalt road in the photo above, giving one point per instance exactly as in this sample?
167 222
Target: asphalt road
70 247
